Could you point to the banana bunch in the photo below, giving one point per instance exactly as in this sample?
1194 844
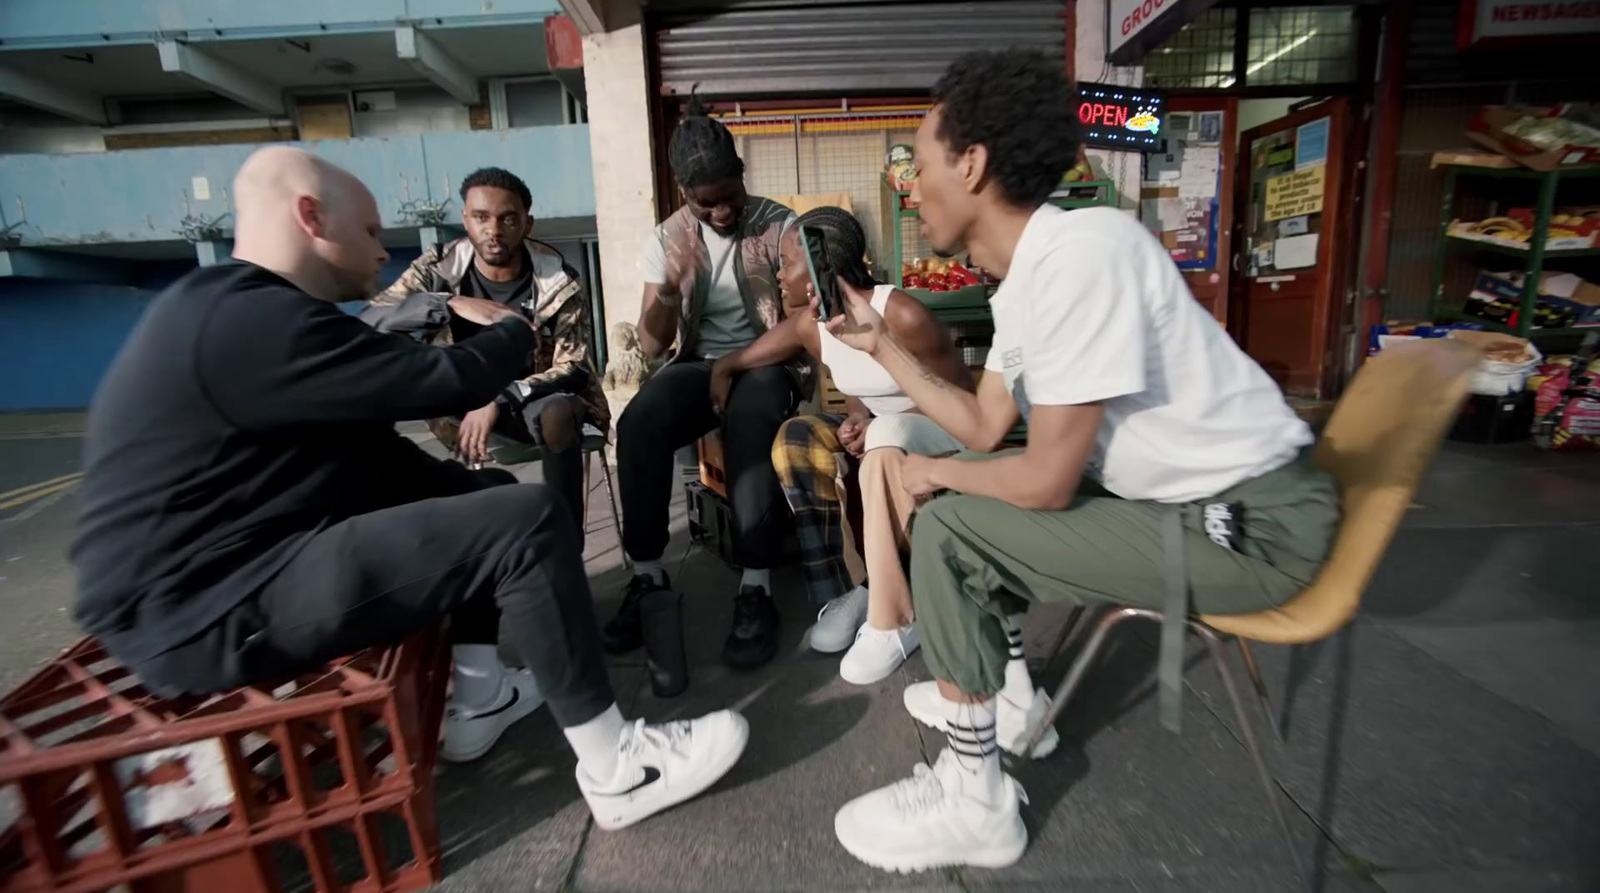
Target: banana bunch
1506 228
1565 226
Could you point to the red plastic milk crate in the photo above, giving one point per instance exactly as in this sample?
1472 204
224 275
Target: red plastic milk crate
328 775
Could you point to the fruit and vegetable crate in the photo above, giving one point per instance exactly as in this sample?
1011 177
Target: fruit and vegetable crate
956 291
324 780
1535 232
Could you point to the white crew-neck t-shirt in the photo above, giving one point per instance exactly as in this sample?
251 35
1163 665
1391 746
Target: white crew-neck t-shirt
724 326
1093 310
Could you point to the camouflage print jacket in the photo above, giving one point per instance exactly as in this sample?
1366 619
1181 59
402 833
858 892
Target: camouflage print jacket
417 303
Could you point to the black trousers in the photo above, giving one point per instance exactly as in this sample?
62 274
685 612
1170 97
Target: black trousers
494 552
674 409
562 468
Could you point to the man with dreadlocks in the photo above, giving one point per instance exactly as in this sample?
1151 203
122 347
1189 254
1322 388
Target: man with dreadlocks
711 284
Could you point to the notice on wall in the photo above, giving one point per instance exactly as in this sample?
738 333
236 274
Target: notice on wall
1197 177
1292 195
1296 252
1293 226
1311 144
1165 213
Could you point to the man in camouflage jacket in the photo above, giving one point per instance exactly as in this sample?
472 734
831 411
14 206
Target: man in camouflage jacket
498 261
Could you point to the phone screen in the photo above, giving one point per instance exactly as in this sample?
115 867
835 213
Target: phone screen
823 277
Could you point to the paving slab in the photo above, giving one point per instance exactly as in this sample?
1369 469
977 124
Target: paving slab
515 819
37 581
1511 608
815 742
1411 766
1493 881
1511 497
1124 804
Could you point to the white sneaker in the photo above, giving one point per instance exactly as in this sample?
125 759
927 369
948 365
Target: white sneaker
928 821
877 652
838 621
662 766
1014 717
470 732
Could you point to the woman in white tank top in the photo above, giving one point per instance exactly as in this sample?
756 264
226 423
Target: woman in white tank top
814 455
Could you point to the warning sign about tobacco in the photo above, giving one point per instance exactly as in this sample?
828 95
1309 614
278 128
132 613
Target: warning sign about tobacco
1294 194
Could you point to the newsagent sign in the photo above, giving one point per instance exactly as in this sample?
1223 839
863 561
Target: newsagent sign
1134 27
1498 20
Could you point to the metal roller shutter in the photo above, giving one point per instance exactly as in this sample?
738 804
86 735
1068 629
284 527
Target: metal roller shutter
843 48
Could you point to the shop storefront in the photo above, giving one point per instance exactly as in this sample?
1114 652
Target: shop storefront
1289 177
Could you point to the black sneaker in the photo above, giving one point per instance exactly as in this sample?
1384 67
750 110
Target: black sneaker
754 638
625 631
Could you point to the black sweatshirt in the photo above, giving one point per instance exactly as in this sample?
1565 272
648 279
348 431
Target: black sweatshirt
241 417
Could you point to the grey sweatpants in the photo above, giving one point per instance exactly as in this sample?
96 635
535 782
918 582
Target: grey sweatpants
975 560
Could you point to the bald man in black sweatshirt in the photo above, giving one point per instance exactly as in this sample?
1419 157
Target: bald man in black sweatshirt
249 510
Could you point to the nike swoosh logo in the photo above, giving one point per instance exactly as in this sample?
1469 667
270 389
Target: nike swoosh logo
515 695
651 776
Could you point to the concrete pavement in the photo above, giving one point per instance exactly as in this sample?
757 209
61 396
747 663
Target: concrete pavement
1448 741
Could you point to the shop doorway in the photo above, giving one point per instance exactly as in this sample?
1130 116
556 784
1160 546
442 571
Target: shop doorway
1291 193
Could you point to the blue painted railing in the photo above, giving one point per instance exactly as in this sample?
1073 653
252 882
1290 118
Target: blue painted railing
142 195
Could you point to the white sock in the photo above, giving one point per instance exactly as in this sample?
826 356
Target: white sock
478 674
655 570
596 742
1019 683
753 577
970 733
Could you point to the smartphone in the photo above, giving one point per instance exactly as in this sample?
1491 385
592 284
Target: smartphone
829 302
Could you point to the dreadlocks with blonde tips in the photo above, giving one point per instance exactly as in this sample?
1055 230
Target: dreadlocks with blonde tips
702 150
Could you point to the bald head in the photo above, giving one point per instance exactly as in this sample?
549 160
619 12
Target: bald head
310 221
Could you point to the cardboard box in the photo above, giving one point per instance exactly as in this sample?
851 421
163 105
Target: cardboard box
1493 125
1469 158
1583 304
1564 300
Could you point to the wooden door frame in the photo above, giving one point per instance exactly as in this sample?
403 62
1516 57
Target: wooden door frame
1326 326
1229 105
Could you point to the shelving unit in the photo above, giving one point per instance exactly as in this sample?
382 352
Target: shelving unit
1532 259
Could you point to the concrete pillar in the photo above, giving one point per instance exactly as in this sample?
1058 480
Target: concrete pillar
209 254
1089 64
618 85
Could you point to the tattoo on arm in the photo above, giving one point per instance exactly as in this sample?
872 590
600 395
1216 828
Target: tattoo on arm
932 377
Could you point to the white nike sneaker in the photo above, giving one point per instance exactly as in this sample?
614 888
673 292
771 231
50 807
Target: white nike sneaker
838 621
878 652
929 821
661 766
1014 717
470 732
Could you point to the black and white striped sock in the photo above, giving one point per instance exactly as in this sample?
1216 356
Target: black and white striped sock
974 740
970 731
1014 639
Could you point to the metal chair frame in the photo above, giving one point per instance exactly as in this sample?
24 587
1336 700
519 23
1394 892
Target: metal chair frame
591 445
1098 627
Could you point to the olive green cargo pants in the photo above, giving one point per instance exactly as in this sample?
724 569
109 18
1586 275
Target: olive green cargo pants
975 560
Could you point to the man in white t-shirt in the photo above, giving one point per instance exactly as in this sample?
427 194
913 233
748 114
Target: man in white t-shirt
710 273
1146 425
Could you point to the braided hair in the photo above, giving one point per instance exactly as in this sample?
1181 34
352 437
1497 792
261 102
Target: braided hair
702 150
846 241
